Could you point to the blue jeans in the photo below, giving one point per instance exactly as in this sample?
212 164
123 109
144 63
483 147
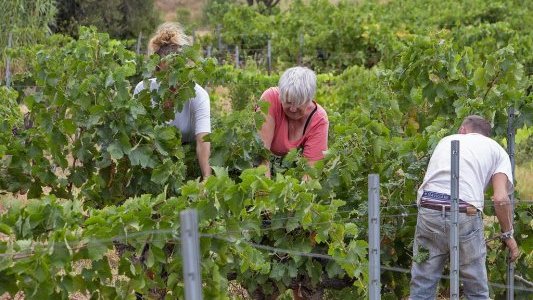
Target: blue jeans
433 234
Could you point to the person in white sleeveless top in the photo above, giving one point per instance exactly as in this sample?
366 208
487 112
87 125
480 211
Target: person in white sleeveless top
482 161
194 120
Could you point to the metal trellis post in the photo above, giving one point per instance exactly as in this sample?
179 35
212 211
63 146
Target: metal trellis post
8 60
190 253
511 151
454 229
219 37
269 56
373 237
237 62
300 48
139 40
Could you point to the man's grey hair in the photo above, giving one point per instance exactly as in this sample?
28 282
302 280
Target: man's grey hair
477 124
297 85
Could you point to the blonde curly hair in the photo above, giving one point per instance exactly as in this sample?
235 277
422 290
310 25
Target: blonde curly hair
168 38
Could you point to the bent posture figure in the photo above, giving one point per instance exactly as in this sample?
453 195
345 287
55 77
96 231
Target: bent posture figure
482 161
294 119
194 121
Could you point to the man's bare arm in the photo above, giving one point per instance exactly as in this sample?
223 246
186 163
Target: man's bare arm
203 151
503 209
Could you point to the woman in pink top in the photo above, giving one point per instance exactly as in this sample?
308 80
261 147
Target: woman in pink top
294 119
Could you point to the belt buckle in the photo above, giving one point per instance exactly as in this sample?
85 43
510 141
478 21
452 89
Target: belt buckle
471 211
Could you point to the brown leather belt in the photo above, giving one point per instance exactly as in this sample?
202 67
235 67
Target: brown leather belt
469 210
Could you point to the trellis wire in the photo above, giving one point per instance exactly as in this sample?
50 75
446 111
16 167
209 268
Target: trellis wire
329 257
510 273
234 240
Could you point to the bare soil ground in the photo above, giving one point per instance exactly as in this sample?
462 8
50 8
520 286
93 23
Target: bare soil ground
168 8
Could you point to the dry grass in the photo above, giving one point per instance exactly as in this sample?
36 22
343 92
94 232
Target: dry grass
524 180
223 101
168 8
237 291
18 296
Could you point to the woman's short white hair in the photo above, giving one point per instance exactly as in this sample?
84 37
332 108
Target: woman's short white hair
297 85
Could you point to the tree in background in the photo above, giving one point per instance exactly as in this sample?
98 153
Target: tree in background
123 19
215 10
265 6
27 20
268 3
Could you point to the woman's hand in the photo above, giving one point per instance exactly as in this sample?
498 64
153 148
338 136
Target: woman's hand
266 163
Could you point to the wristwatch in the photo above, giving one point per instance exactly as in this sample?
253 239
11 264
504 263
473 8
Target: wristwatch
507 235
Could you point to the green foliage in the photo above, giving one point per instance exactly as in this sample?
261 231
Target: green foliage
245 85
433 79
424 82
215 10
304 33
524 153
123 19
267 5
11 117
89 132
235 141
27 21
394 78
10 113
246 27
331 37
183 15
143 230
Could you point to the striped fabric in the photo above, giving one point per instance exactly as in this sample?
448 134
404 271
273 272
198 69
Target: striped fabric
429 197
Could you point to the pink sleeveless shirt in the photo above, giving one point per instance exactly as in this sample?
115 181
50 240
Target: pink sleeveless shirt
315 138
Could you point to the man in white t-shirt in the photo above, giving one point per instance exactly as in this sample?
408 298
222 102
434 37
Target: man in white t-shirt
481 161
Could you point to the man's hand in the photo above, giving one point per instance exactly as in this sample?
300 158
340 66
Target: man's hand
513 249
203 151
306 178
266 163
